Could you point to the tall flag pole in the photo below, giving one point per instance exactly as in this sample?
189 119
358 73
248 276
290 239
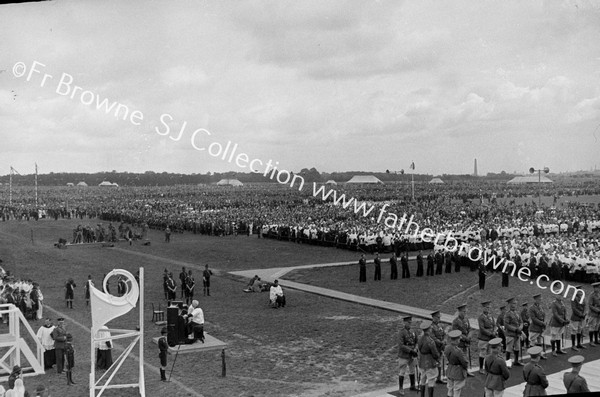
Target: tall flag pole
36 186
412 177
12 171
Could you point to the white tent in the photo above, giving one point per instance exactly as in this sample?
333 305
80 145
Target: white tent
370 179
105 183
529 179
82 184
229 182
436 180
331 182
70 184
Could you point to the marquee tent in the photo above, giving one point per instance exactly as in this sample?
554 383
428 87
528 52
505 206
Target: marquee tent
436 180
82 184
331 182
229 182
529 179
367 179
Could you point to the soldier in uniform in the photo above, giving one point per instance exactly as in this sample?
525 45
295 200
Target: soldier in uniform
514 330
461 323
407 352
59 334
496 370
577 320
439 337
206 280
538 324
362 263
394 267
182 278
377 263
487 329
171 288
557 324
439 262
575 383
534 375
163 347
457 365
594 304
526 319
500 326
428 360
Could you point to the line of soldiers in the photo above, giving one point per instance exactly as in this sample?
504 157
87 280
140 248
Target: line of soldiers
430 350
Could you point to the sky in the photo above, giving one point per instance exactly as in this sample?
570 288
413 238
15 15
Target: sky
335 85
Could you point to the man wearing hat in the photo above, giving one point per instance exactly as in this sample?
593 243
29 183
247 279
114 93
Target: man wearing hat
594 304
577 319
526 319
163 348
538 324
575 383
457 364
439 337
534 375
461 323
362 264
59 334
14 375
486 333
558 321
407 351
428 360
500 326
496 370
514 329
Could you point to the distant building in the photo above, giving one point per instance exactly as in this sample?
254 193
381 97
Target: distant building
364 179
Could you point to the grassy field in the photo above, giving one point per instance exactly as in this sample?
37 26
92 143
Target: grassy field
316 346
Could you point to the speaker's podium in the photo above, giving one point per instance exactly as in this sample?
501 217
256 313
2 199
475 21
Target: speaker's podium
177 337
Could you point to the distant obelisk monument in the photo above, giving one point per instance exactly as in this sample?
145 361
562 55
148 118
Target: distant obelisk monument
475 167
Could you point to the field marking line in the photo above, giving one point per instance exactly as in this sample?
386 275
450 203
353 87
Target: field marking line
154 369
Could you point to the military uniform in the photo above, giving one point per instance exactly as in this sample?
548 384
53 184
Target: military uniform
594 304
439 337
534 375
514 327
538 324
407 344
496 372
464 327
457 367
526 319
557 325
577 320
486 333
428 357
163 348
59 334
575 383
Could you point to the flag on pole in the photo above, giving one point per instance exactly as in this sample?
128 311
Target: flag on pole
412 165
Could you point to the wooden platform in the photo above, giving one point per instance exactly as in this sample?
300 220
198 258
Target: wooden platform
210 343
589 371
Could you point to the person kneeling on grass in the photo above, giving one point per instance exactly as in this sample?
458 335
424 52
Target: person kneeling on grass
276 295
